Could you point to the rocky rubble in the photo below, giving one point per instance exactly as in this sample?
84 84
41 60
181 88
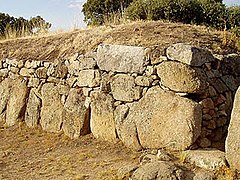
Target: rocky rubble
179 101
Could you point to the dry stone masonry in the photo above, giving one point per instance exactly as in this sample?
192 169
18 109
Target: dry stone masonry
179 101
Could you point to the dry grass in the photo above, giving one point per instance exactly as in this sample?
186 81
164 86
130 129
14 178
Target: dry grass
155 34
34 154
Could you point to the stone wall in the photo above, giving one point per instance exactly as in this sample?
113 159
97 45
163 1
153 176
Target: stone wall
179 101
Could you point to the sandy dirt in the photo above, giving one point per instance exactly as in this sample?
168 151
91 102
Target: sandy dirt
33 154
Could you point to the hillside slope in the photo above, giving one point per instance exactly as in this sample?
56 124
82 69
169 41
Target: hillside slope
149 34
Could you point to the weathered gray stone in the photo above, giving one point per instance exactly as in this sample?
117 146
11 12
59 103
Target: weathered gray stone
158 170
105 82
126 128
155 61
26 72
89 78
50 70
17 102
33 109
204 142
143 81
209 159
230 82
86 63
63 89
204 175
28 64
180 77
126 171
53 80
61 70
5 87
219 86
73 67
189 55
3 72
102 119
212 92
118 58
52 109
33 82
20 63
124 88
14 70
76 115
46 64
12 62
41 72
160 156
35 64
149 71
72 81
230 65
164 120
233 139
207 103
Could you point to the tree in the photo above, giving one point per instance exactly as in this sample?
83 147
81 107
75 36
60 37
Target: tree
18 27
95 10
38 24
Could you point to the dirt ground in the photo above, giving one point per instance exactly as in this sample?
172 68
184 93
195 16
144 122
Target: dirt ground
156 34
33 154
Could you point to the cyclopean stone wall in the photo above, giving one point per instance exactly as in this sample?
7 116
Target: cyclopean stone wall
179 101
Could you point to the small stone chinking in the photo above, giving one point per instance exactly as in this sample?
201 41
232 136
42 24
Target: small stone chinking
180 100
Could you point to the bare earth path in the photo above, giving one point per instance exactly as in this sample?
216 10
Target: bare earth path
33 154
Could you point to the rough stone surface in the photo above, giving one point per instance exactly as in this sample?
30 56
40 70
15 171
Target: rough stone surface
33 82
73 67
189 55
61 70
89 78
52 109
5 87
202 175
17 102
126 171
230 82
41 72
76 115
3 72
233 139
26 72
87 63
126 128
33 109
120 58
180 77
172 122
102 120
142 81
124 88
231 65
209 159
158 170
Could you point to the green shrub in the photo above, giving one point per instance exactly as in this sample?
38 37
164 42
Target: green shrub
208 12
233 20
213 13
186 11
11 27
95 11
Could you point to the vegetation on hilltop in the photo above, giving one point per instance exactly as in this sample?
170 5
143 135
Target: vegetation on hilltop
205 12
153 34
11 27
211 13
